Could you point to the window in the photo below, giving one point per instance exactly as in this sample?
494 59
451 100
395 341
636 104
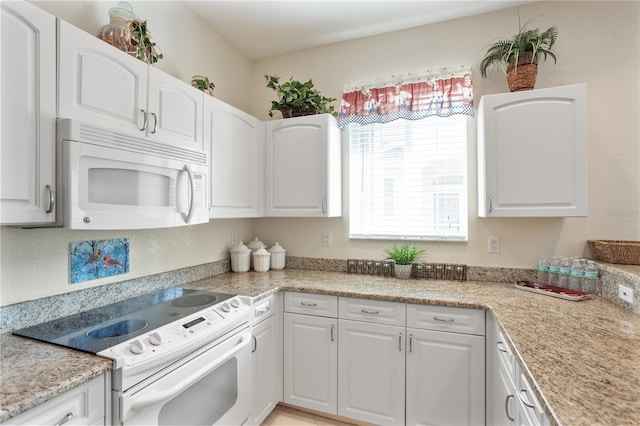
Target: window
408 179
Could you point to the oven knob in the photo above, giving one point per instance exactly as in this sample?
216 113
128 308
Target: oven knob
235 303
155 338
136 347
225 307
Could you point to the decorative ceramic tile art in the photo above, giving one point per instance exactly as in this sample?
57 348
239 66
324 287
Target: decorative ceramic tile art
92 260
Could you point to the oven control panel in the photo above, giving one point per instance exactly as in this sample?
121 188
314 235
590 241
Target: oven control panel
174 340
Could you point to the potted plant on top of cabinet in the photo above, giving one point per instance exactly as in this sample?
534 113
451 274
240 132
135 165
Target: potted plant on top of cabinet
296 99
404 257
518 56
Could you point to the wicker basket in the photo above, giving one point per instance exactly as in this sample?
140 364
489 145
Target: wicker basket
616 251
299 112
522 77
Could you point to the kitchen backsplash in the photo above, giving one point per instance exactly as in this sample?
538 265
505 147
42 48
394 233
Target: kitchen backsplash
33 312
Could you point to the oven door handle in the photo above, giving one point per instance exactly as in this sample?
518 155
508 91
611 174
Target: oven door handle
154 397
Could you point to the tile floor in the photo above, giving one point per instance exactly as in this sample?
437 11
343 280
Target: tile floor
287 416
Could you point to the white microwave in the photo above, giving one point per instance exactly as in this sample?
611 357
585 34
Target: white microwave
110 180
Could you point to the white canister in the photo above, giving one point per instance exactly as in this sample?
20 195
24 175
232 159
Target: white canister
255 245
261 260
240 258
277 256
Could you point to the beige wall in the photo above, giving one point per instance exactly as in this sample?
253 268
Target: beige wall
599 44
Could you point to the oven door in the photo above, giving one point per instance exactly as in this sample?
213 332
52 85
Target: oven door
210 387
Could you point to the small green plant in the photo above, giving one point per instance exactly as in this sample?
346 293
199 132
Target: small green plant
145 48
294 95
405 254
503 52
203 83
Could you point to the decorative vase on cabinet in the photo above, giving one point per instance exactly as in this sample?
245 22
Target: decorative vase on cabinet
532 153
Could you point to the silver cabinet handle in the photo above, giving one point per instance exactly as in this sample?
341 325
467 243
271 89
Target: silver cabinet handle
155 122
443 320
65 419
332 327
364 311
52 198
500 346
324 205
255 344
525 401
144 122
263 311
400 342
308 304
490 203
410 343
506 408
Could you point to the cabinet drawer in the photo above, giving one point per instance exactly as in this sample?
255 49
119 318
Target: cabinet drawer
444 318
311 304
83 405
376 311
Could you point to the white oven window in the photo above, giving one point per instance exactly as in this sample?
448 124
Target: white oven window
205 402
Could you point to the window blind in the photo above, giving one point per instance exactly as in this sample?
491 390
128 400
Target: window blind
408 179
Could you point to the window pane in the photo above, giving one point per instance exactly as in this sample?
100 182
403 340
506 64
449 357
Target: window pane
408 179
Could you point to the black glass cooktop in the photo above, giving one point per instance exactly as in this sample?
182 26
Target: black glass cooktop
106 326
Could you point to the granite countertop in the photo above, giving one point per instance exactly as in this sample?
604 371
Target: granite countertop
582 358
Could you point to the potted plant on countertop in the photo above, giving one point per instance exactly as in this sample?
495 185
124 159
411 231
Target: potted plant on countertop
518 56
404 257
296 99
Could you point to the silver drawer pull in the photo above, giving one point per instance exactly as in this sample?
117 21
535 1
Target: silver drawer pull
308 304
263 310
65 419
400 342
443 320
364 311
500 346
332 327
506 407
525 402
52 199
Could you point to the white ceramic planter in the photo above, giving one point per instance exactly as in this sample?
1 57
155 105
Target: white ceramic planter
402 271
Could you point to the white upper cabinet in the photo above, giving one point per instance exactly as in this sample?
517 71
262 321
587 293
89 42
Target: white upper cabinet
102 85
303 167
532 153
235 143
28 120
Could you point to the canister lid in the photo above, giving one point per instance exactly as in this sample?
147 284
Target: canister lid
256 244
261 252
240 248
277 248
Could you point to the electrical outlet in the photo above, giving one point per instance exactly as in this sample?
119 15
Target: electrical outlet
234 239
326 239
494 245
625 293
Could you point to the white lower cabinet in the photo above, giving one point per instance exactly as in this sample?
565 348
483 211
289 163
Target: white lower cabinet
83 405
266 357
311 351
371 365
393 363
510 398
445 378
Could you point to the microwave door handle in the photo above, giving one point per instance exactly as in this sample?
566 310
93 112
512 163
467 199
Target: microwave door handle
192 187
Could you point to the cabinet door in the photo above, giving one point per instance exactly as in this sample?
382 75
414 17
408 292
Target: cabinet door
266 372
532 153
371 371
100 84
235 142
311 362
303 167
445 378
175 111
27 160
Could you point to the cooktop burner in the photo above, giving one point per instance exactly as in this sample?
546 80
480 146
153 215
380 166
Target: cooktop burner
106 326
